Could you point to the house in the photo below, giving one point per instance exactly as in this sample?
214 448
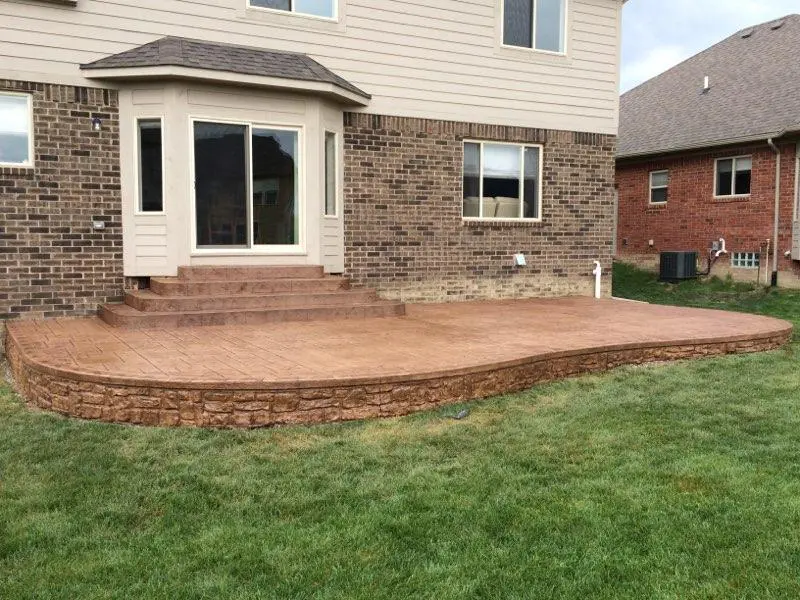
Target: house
708 150
415 147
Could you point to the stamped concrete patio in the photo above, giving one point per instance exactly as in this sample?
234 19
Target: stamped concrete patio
309 372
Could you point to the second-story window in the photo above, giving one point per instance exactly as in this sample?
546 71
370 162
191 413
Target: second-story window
536 24
315 8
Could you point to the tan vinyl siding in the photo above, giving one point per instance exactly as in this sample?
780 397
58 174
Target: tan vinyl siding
418 60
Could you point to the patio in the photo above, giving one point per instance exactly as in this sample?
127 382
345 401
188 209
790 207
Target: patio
320 371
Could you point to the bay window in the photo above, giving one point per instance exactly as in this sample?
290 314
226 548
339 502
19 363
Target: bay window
151 165
331 160
502 181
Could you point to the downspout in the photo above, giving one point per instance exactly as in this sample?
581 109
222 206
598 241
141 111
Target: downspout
775 245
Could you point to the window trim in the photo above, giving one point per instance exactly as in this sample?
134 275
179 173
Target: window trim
298 249
733 177
336 172
138 168
565 31
334 19
522 147
658 187
745 257
30 163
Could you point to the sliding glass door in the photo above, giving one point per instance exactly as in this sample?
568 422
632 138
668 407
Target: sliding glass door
275 221
220 171
246 186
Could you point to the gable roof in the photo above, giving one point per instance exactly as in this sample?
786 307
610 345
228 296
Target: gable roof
754 93
230 58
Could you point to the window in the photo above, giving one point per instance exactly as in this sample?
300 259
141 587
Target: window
733 176
16 130
745 260
330 174
501 181
151 165
537 24
315 8
659 181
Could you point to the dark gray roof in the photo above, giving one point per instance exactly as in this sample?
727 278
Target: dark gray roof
754 78
245 60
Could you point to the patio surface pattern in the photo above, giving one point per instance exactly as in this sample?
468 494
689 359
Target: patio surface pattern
316 371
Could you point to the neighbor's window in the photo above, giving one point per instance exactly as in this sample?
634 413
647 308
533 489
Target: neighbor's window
659 181
745 260
537 24
16 130
151 165
501 181
733 176
330 174
316 8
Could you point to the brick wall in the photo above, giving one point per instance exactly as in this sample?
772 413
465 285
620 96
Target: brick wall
692 218
404 232
52 262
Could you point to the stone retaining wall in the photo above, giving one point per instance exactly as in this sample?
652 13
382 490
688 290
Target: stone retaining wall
249 408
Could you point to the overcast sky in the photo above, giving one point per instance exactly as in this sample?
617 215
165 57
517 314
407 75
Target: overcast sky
657 35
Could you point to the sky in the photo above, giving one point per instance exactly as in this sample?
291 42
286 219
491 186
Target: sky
657 35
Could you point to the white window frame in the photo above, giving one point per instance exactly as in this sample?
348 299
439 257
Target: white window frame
522 148
138 168
335 18
533 48
658 187
336 173
298 249
733 193
30 162
745 260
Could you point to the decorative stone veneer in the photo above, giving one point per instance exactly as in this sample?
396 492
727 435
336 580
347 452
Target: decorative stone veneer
52 262
404 232
93 398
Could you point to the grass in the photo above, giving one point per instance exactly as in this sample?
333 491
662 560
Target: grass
669 482
630 282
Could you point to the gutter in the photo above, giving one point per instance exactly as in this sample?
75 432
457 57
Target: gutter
705 145
775 244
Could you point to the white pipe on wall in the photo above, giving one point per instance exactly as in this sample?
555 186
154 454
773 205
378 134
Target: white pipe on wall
598 273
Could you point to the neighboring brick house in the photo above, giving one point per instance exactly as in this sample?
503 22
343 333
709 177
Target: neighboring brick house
415 147
701 148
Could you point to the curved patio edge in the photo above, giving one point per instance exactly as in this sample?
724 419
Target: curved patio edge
226 404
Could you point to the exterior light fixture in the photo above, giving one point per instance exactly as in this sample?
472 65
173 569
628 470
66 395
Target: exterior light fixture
97 124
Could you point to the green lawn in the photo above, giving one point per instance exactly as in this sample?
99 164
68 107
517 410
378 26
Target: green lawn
679 481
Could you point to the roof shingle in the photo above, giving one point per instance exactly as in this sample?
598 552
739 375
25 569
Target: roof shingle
754 93
245 60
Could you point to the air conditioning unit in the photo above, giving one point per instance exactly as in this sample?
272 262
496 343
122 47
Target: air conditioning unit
796 240
678 266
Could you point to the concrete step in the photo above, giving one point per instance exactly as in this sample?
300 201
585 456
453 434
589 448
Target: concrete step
218 273
148 301
122 315
172 286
